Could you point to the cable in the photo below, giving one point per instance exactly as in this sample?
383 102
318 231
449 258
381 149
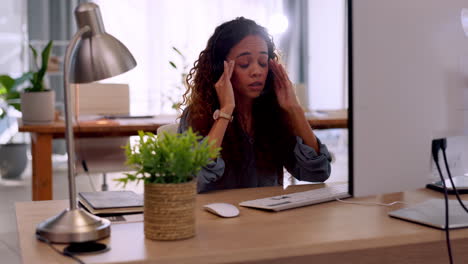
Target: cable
447 232
371 203
63 253
436 146
451 181
85 168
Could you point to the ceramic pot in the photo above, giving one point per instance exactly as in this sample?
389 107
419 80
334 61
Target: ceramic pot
38 107
13 160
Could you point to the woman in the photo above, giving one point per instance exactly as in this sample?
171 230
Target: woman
241 98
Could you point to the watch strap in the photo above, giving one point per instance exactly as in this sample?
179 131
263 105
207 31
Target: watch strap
219 114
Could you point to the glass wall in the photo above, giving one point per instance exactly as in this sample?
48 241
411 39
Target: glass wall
13 57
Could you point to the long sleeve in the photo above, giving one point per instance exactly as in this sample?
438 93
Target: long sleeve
209 174
307 165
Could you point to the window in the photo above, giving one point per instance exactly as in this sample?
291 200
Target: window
151 28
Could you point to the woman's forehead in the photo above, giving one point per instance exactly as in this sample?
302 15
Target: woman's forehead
250 45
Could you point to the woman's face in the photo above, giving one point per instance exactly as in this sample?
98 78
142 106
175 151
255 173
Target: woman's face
251 66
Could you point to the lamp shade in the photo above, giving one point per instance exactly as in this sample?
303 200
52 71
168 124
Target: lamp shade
98 55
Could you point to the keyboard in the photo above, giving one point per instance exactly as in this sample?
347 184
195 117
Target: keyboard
298 199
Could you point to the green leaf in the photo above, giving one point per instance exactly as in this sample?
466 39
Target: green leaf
36 84
34 52
45 61
173 64
178 51
176 105
45 54
9 91
7 82
12 96
19 81
13 99
17 106
3 90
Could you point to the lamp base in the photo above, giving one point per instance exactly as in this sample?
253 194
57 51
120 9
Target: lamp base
74 226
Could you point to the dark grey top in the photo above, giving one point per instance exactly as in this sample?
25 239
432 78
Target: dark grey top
307 165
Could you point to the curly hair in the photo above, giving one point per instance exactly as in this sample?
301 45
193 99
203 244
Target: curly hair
272 133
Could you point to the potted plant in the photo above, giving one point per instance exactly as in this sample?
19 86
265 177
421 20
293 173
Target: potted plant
167 165
13 159
37 101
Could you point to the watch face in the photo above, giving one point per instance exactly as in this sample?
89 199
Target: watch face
216 115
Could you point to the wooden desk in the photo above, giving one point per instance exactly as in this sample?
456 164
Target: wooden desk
328 119
42 135
331 232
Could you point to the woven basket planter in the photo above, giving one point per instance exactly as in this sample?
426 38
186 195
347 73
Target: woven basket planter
169 210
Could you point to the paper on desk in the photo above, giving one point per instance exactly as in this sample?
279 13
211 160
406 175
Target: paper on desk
85 118
138 121
123 219
317 114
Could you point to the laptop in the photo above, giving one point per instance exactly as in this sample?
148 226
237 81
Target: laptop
461 183
432 213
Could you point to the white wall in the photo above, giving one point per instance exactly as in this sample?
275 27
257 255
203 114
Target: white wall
13 56
327 45
13 37
151 28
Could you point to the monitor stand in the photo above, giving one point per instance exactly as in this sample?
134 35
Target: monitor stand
461 184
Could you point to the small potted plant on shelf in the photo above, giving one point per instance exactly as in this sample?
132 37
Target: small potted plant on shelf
37 101
13 159
167 165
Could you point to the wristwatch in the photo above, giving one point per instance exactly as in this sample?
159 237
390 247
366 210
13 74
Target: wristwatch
218 114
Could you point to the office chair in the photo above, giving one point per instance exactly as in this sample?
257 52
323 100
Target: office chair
101 155
169 128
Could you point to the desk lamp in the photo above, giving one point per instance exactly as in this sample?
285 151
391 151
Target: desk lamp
92 55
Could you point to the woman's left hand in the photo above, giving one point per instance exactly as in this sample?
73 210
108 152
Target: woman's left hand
283 87
288 102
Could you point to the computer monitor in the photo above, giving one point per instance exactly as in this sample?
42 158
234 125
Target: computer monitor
409 85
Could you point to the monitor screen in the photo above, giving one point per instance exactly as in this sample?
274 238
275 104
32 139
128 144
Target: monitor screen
409 75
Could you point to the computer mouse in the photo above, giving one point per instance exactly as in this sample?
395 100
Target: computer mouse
222 209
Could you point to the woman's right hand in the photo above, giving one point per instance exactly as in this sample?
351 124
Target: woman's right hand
224 89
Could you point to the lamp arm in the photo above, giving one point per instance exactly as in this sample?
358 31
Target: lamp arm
69 115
